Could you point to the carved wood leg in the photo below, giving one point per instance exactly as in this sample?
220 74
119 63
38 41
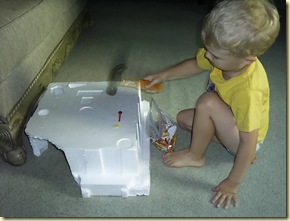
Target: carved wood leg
10 151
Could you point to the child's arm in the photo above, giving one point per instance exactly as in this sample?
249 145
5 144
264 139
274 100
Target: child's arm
228 188
245 155
184 69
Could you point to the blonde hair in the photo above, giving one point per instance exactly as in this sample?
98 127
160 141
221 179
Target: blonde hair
244 27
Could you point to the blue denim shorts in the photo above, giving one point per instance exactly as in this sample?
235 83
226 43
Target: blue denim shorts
234 154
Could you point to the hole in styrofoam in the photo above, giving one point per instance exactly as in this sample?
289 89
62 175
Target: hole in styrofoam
43 112
89 93
86 110
57 90
124 143
74 85
87 100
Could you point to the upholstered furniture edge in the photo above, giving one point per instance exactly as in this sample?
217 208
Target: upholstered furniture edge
11 127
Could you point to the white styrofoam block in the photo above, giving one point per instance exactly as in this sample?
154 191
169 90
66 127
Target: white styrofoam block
106 157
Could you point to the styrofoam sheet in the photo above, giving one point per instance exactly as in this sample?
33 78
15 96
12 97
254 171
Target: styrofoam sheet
106 156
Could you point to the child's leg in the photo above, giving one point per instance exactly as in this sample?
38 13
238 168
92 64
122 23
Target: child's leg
212 119
185 119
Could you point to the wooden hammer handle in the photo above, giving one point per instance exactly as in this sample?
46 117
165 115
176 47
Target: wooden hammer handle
135 84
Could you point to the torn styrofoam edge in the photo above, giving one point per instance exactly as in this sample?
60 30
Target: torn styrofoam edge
38 145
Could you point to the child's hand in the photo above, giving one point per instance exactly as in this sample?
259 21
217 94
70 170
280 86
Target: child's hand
154 79
226 192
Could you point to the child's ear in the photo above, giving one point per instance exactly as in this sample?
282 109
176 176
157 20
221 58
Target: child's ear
250 59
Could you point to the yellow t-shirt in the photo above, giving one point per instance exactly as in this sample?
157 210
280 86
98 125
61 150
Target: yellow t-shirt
247 94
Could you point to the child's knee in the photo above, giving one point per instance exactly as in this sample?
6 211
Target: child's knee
184 119
207 100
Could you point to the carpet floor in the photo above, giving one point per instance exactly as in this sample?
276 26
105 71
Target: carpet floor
149 36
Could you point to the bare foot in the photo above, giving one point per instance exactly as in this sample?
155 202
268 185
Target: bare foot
182 158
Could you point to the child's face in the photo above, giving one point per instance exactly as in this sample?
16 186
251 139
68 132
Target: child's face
224 60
